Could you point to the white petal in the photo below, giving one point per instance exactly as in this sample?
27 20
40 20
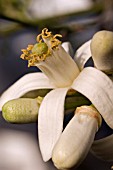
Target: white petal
50 121
59 67
83 54
29 82
76 139
103 148
68 48
98 88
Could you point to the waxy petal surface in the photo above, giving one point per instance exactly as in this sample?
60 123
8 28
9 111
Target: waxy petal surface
68 48
83 54
50 121
98 88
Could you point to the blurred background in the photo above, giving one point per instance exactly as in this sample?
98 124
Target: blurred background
20 22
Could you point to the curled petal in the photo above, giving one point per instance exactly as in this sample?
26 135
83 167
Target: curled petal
98 88
29 82
50 121
83 54
103 148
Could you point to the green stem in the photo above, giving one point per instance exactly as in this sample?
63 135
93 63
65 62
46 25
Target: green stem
76 101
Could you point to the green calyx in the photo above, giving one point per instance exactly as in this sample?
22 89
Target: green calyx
40 48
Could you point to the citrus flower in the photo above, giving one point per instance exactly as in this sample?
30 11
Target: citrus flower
62 74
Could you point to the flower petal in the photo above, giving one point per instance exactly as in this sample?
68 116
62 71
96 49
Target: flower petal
58 63
76 139
68 48
29 82
98 88
50 121
103 148
83 54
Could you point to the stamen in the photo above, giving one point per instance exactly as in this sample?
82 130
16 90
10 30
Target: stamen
53 39
29 48
57 35
24 50
22 56
46 33
39 38
40 51
54 43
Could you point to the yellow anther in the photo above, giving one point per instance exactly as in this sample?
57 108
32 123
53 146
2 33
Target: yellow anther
22 56
30 63
57 35
39 38
40 51
29 48
55 42
24 50
46 33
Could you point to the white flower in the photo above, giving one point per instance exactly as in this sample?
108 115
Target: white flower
60 73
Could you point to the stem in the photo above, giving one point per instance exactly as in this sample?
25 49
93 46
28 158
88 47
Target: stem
76 101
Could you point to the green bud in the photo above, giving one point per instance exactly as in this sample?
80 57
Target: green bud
22 110
25 110
102 51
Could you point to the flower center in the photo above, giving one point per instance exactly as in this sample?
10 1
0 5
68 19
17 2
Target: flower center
50 57
39 52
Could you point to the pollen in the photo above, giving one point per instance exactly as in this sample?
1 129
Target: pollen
52 38
29 47
40 51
